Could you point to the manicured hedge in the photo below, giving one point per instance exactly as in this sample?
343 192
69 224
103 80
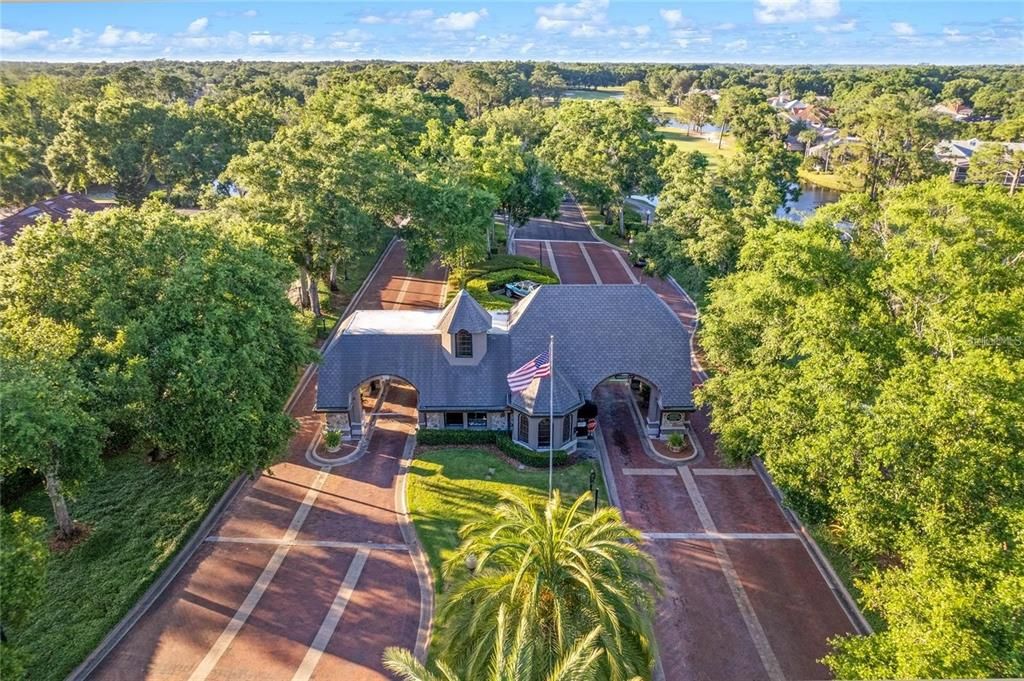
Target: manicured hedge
498 438
498 271
440 436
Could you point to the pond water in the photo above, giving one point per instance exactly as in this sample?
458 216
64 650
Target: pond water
705 129
592 94
812 197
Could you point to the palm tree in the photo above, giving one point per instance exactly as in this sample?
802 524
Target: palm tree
512 659
564 573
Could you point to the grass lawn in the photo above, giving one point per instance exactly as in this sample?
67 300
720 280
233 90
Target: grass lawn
599 93
692 143
827 180
448 488
610 233
139 514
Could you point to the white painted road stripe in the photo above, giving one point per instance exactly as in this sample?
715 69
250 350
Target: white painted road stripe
720 535
724 471
757 635
330 623
590 264
219 647
649 471
551 260
625 265
401 293
560 241
318 543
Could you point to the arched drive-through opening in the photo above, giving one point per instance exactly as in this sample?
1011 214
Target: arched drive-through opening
634 423
385 404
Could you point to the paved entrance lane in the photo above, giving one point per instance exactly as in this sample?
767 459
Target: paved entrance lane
611 267
749 602
569 263
570 225
281 599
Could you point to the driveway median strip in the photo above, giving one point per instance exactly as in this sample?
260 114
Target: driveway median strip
723 471
551 260
318 543
590 263
710 536
757 635
649 471
330 623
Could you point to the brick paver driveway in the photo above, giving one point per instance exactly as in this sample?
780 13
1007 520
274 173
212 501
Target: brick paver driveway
570 225
744 598
309 574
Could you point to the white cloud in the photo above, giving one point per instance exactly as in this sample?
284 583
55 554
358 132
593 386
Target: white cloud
582 10
261 39
841 27
683 42
119 37
525 48
672 17
641 31
250 13
198 26
728 26
790 11
902 28
416 16
549 24
953 35
13 40
460 21
736 46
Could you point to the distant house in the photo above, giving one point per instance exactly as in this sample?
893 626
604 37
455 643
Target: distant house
58 208
958 154
955 109
458 358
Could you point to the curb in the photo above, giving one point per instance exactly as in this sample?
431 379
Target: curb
423 572
649 449
185 553
849 605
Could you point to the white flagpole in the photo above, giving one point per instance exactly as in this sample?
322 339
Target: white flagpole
551 415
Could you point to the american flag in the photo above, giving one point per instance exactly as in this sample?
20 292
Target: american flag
538 367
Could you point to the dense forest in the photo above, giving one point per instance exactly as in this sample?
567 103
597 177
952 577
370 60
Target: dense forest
871 355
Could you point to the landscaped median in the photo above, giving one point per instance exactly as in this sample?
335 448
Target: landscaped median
486 281
451 486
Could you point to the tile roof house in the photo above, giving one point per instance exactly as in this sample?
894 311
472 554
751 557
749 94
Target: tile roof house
58 208
458 358
958 154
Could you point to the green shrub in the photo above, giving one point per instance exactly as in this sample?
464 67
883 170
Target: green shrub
499 438
439 436
332 438
526 456
481 287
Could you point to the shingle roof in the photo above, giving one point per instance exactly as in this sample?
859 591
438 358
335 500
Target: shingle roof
58 208
599 330
535 399
464 314
604 330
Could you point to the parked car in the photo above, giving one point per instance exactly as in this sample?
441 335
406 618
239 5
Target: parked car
520 289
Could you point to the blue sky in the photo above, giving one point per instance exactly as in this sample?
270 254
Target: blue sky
753 31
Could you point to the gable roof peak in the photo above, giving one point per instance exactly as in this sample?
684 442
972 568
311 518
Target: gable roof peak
463 313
